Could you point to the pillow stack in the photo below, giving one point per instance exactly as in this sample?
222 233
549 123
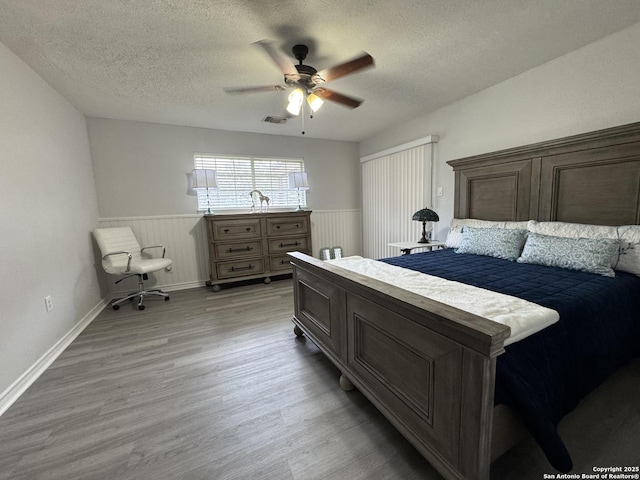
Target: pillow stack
590 248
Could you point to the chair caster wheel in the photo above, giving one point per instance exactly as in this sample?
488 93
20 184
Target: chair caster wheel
140 307
115 307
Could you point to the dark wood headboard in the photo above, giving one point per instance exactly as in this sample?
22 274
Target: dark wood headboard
590 178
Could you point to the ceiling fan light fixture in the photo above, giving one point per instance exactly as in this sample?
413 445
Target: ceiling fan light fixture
295 101
307 82
314 101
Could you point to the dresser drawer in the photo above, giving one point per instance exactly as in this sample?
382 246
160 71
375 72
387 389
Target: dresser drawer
243 249
287 225
236 229
289 244
240 268
281 262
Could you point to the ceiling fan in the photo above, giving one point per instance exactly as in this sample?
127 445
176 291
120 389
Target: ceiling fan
307 82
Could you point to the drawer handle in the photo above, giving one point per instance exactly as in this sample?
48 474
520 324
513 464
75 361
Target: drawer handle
237 269
282 262
226 230
248 229
294 244
245 249
297 225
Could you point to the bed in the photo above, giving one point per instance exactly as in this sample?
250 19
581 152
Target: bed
443 375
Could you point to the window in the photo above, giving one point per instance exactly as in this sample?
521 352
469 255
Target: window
237 176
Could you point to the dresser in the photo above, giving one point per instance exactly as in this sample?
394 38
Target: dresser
254 245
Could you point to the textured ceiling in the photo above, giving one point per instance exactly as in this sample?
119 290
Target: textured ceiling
167 61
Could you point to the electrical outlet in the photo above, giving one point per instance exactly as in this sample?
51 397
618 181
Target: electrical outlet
439 191
48 303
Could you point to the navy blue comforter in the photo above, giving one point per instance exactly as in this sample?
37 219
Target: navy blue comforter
546 375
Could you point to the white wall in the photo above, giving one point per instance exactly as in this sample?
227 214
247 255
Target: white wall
589 89
141 168
141 180
47 212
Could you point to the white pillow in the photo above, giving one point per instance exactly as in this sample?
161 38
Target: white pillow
629 260
572 230
516 225
454 237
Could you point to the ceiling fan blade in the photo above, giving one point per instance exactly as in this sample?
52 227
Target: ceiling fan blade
265 88
283 62
334 96
363 61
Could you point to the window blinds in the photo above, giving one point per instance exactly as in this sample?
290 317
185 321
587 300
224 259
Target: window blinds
239 175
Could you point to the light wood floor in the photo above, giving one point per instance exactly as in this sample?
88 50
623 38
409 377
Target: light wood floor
216 386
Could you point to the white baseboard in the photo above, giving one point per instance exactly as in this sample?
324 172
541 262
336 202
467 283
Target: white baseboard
17 388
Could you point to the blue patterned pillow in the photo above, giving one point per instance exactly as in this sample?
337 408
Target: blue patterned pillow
493 242
584 254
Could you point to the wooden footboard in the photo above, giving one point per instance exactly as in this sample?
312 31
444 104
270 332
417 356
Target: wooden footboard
428 367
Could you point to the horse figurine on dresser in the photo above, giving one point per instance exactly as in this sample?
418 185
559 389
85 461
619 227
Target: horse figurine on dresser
263 199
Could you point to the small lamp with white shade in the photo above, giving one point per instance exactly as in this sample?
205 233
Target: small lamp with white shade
205 179
298 181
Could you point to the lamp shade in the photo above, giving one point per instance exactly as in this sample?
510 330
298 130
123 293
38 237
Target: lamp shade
426 215
314 101
298 180
204 179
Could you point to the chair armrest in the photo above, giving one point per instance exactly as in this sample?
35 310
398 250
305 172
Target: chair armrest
154 246
120 253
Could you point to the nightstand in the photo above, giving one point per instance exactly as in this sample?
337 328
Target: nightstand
406 247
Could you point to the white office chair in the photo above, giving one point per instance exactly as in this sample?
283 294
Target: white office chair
122 255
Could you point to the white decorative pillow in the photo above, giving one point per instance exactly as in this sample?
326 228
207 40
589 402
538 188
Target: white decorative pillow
454 237
595 255
516 225
572 230
493 242
629 260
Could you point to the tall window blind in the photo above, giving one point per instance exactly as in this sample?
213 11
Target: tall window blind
239 175
396 183
393 189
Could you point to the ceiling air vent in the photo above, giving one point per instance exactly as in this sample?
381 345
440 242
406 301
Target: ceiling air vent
276 120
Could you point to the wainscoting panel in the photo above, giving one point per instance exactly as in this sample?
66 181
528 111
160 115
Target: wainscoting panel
331 228
185 239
